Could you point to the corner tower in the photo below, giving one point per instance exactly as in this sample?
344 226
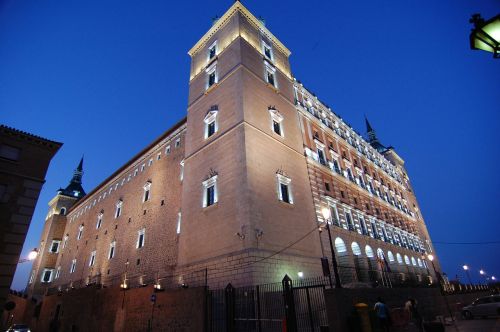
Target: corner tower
246 193
44 269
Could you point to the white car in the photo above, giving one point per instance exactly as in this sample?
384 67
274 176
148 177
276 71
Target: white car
483 307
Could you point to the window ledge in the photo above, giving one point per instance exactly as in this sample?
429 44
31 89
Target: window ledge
208 90
210 207
289 205
272 87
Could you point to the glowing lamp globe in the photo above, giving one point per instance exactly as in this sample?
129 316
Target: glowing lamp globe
485 35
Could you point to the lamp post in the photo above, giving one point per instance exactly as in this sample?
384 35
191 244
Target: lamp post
486 34
436 273
439 278
326 215
466 269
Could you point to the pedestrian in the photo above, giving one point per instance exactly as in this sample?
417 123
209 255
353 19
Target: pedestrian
415 315
382 313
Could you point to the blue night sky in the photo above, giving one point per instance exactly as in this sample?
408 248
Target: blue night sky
107 77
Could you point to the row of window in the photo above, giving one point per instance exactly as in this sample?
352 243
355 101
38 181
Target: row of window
374 228
125 179
341 249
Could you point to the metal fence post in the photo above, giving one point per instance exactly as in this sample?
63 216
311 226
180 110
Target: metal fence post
291 321
229 297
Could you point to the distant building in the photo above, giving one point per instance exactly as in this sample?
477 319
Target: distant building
24 159
234 192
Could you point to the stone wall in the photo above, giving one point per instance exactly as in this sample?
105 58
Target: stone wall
112 309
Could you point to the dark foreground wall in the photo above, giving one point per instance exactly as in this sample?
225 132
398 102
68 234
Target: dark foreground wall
340 302
111 309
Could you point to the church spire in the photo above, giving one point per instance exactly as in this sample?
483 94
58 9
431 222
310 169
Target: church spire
75 189
372 137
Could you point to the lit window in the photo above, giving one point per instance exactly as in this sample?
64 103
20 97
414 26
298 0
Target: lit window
340 245
212 51
407 260
284 189
211 75
99 220
47 275
211 122
369 251
112 247
276 121
147 192
80 232
73 266
54 248
399 258
210 195
391 256
267 50
58 272
270 75
179 219
92 258
140 238
118 211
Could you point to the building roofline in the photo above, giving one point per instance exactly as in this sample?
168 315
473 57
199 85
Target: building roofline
171 130
237 7
30 137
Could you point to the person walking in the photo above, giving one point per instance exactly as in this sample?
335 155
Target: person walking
382 313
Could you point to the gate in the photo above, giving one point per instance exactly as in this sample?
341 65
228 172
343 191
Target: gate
291 305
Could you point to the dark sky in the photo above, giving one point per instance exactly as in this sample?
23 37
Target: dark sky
107 77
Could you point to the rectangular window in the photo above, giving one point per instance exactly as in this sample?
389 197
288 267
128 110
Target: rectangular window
92 258
211 128
140 238
99 221
32 277
348 219
80 232
177 142
111 253
158 156
65 242
277 127
212 51
270 78
210 195
47 275
58 272
284 189
276 121
327 186
54 248
167 150
211 122
9 152
150 162
267 50
118 211
211 75
179 219
73 266
147 192
321 156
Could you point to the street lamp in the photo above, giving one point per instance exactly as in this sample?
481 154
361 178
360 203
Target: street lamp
486 34
326 215
31 256
466 268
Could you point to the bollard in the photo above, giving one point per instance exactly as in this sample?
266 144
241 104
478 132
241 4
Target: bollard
362 310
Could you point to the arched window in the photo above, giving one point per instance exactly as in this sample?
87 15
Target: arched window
420 262
63 211
369 251
356 250
413 261
407 260
399 258
380 253
391 256
340 245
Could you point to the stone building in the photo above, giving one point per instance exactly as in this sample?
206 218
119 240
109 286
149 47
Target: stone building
234 192
24 160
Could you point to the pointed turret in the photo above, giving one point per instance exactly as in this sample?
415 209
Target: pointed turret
372 138
75 189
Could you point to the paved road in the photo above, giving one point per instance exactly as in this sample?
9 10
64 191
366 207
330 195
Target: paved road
476 325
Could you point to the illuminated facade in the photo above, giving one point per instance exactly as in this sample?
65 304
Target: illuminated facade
234 192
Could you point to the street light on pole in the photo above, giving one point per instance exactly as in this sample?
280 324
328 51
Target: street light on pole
33 254
466 268
327 215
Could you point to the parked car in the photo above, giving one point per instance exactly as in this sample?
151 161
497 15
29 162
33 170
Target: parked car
483 307
19 328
